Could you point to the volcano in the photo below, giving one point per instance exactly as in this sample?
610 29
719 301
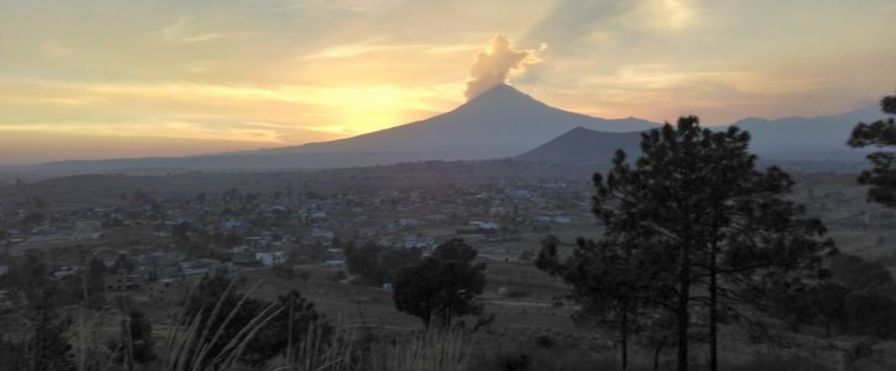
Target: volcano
499 123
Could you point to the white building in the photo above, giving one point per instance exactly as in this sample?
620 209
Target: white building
269 259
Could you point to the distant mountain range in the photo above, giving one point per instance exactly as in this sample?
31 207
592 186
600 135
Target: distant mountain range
820 138
501 123
789 139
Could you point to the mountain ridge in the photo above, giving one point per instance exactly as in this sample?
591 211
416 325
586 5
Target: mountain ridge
581 145
500 123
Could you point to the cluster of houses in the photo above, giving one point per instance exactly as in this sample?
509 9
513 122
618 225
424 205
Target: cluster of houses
184 237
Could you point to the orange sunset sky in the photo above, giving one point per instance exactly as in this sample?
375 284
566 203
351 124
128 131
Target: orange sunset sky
100 78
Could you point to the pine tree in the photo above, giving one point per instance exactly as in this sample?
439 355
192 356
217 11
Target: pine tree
881 133
609 282
694 211
442 286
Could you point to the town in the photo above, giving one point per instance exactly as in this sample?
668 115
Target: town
170 239
155 243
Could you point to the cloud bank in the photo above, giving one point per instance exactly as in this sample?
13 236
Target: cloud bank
494 65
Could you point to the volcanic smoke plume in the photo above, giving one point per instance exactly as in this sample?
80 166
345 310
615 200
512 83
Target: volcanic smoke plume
495 64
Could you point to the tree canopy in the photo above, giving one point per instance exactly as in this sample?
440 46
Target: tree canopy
377 265
693 212
442 286
882 133
223 311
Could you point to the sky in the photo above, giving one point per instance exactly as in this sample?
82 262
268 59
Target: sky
94 79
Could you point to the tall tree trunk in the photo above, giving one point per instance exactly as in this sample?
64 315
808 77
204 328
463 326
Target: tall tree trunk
684 293
129 349
624 340
713 310
656 353
290 352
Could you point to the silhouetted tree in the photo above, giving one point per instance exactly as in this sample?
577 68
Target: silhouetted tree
218 304
364 261
824 303
455 249
856 273
135 345
697 209
34 334
830 304
441 286
220 310
286 331
858 297
393 261
872 311
611 284
377 265
881 133
869 300
48 348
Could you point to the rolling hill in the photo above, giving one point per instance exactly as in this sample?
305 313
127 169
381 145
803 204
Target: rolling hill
810 144
582 145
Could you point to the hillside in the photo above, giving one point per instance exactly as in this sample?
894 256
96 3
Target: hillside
582 145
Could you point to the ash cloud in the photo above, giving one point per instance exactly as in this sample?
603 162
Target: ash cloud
494 65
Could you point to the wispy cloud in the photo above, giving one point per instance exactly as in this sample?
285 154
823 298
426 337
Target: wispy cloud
285 114
182 31
355 50
158 129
